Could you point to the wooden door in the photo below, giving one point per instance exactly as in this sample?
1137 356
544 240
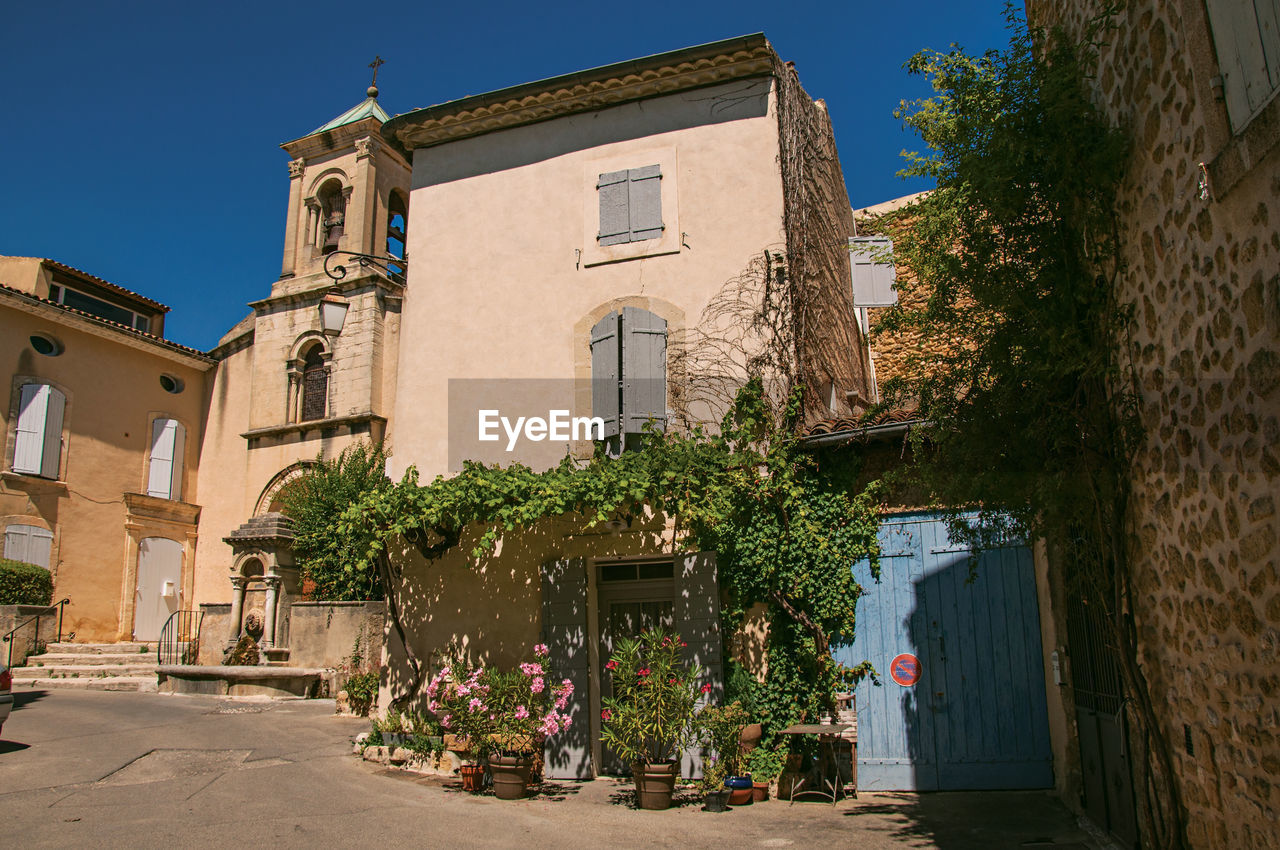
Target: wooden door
159 580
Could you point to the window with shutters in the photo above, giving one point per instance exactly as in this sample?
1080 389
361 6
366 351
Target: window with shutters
37 445
871 263
30 544
1247 38
165 464
630 205
629 375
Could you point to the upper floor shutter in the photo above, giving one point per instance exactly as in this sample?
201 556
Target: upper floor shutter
30 544
644 370
646 202
873 272
38 445
168 443
615 218
1247 36
604 373
630 205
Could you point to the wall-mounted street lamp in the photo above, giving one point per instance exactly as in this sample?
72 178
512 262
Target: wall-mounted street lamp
333 312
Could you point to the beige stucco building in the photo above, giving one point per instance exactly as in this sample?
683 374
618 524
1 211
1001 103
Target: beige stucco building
102 441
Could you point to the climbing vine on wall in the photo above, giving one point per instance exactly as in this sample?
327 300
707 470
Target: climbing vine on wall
786 530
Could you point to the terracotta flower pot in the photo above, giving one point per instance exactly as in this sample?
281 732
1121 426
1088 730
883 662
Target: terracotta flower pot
472 777
759 791
750 737
511 776
655 783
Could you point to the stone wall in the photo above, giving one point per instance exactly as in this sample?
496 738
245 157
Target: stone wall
1201 259
320 634
26 638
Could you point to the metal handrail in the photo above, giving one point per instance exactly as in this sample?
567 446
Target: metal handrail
36 619
172 644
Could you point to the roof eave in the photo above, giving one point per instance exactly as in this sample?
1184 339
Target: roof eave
583 91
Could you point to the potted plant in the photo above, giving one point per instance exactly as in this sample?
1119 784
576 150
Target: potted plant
721 727
715 797
457 695
764 764
525 710
647 721
504 717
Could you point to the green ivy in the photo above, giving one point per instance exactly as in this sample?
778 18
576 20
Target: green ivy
786 525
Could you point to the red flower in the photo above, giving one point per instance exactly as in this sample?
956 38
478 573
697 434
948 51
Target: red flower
671 681
606 715
644 671
612 665
706 689
682 643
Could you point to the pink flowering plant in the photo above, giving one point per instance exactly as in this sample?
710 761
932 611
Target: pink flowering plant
511 712
529 705
649 717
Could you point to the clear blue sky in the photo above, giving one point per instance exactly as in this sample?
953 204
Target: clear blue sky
140 139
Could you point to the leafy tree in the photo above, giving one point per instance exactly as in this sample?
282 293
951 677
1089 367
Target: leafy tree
1032 414
336 563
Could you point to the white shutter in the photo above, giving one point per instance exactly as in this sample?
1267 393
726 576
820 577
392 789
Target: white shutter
30 544
52 455
873 272
37 448
160 480
28 447
179 447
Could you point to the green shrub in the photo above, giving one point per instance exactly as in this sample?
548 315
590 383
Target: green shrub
24 584
362 690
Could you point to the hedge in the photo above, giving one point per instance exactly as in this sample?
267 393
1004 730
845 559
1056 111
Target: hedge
24 584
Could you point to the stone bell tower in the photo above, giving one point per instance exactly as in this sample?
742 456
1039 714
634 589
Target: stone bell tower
334 340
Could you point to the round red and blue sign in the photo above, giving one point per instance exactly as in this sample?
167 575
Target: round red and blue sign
905 669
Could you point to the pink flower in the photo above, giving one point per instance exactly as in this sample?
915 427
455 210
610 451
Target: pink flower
541 649
682 643
644 671
433 706
447 720
606 715
567 687
521 712
476 704
537 685
706 689
531 669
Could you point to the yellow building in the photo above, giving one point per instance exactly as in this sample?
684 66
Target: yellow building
102 442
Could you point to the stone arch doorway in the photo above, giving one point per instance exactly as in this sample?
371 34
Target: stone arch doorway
270 501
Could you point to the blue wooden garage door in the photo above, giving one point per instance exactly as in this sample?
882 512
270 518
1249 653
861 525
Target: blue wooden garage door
975 719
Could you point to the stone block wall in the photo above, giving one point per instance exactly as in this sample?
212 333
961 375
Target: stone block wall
1201 258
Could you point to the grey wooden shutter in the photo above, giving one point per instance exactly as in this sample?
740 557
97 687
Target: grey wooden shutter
605 373
1247 36
564 630
179 450
873 273
615 220
28 448
645 200
697 620
644 370
30 544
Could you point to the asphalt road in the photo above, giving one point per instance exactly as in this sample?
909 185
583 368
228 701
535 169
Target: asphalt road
103 769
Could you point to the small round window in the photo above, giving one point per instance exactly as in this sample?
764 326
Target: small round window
46 345
170 384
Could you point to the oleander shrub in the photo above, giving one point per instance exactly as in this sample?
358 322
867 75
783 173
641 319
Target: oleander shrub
24 584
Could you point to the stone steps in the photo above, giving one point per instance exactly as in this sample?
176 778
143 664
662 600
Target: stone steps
129 666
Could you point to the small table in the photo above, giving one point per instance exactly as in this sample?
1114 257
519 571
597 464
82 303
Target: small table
828 734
